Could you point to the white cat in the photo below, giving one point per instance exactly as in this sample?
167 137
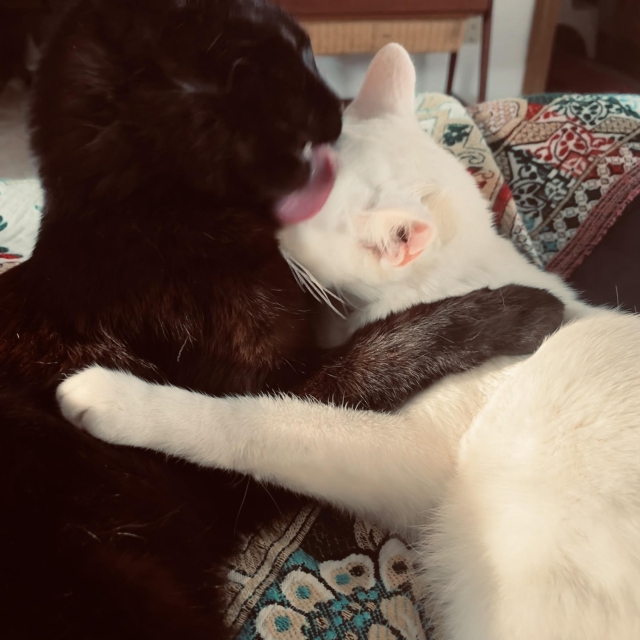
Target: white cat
519 481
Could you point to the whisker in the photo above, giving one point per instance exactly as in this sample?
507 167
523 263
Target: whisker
244 497
272 498
307 281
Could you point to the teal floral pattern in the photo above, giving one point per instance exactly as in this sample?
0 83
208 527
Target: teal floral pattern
368 593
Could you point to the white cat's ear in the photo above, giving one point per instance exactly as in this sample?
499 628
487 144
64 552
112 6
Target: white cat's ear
389 86
394 236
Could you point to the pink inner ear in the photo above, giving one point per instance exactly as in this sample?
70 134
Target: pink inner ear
419 237
393 235
400 252
389 85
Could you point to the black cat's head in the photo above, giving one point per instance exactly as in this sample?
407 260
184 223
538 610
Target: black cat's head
222 96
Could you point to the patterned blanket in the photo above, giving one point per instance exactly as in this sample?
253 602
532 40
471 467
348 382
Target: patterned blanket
558 171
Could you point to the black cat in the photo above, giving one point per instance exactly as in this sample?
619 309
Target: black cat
165 132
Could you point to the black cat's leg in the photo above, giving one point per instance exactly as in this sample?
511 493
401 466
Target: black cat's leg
389 360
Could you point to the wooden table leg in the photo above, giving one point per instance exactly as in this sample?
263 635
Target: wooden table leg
543 29
484 56
453 59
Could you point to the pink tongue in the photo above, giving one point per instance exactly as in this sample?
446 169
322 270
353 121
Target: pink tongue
308 200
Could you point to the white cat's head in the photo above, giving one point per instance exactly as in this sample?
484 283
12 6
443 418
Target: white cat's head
398 197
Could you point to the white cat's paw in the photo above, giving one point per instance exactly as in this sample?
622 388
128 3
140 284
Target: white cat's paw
108 404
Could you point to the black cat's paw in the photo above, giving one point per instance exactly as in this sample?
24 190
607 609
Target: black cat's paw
514 319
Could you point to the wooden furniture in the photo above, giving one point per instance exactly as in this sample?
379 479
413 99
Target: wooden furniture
543 29
619 39
422 26
336 27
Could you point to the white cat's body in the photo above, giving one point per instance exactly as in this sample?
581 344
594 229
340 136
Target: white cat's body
519 481
539 531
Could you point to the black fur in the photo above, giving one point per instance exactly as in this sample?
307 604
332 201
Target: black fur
165 130
428 342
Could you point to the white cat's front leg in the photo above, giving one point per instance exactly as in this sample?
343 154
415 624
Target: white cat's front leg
122 409
371 463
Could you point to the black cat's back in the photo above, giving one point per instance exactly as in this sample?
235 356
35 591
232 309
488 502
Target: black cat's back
164 132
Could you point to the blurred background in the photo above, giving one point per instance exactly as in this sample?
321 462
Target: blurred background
531 46
474 49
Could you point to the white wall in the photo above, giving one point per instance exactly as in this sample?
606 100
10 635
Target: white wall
510 39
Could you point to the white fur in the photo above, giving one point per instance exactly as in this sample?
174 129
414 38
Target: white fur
520 480
423 182
539 534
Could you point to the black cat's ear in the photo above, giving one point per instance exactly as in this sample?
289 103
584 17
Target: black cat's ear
153 5
125 25
124 20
